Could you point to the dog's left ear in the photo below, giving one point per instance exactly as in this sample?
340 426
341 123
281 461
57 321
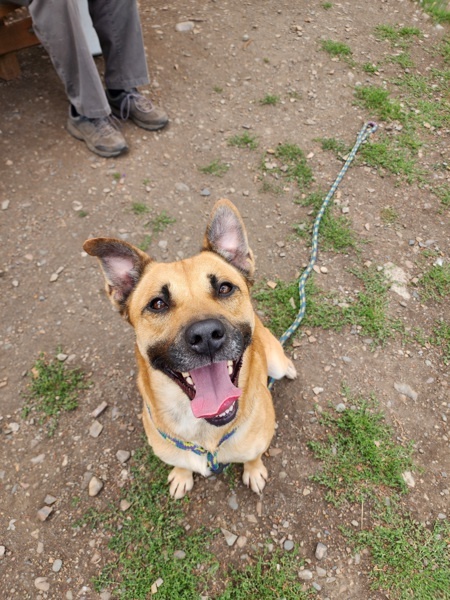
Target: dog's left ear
122 265
226 235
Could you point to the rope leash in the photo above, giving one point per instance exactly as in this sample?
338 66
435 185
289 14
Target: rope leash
363 135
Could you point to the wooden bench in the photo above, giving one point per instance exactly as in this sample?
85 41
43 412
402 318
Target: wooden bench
16 33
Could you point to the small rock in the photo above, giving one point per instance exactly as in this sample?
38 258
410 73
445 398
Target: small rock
408 479
321 551
95 486
442 516
340 407
232 502
321 572
95 429
62 357
205 192
2 551
316 586
49 499
42 584
123 455
124 505
100 408
241 541
44 513
230 538
180 554
406 390
305 575
53 277
181 187
317 390
38 459
288 545
56 566
5 204
184 26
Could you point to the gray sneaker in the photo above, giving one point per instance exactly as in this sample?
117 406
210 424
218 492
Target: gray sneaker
132 105
101 135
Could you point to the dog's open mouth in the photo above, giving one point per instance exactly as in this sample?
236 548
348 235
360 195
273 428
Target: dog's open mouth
212 390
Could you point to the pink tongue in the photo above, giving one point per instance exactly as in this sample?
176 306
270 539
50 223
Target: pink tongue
214 390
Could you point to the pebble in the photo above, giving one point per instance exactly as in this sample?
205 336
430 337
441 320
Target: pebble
41 584
180 554
62 357
181 187
442 516
321 551
230 538
321 572
100 408
288 545
124 505
38 459
44 513
95 429
95 486
56 566
340 407
232 502
305 575
184 26
406 390
123 455
49 499
317 390
316 586
408 479
5 204
205 192
2 551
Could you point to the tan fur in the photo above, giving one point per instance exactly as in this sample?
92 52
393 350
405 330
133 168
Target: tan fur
166 406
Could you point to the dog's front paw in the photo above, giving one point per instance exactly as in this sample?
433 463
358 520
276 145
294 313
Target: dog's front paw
291 371
181 481
255 475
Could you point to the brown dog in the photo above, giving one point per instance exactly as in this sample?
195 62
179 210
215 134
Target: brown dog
203 354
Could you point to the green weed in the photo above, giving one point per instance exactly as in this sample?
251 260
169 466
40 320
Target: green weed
295 166
389 154
377 100
218 89
216 168
359 454
370 68
339 147
327 5
411 561
336 48
403 59
441 338
269 100
271 188
54 388
160 222
398 36
244 141
388 215
139 208
438 9
435 283
443 193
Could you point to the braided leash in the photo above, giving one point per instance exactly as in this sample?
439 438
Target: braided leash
363 135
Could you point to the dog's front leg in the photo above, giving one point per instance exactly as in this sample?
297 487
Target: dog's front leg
255 475
181 481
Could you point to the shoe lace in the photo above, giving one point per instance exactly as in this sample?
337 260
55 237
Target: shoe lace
141 102
106 125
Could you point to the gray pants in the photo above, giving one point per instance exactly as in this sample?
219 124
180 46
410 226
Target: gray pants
57 23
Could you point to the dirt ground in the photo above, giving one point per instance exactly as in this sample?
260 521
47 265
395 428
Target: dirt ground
211 81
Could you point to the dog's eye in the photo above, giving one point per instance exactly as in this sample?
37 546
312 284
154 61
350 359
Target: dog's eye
157 305
226 288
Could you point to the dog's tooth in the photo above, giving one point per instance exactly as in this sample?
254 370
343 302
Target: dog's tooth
230 367
189 380
186 374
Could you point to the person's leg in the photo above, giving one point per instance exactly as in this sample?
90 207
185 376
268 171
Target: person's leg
58 25
119 31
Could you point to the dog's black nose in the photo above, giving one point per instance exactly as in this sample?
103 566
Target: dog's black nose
206 337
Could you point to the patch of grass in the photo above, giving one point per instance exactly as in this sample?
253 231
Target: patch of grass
398 36
367 309
377 100
438 9
444 49
334 48
82 214
338 147
54 388
216 168
244 141
139 208
271 576
441 338
269 100
271 188
403 59
411 561
443 193
218 89
435 283
117 176
391 155
144 245
327 5
388 215
146 537
359 454
370 68
160 222
295 166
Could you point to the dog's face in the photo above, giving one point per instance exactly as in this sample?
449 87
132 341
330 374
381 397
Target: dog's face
193 319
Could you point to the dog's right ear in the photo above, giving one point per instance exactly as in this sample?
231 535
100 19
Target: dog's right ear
122 265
